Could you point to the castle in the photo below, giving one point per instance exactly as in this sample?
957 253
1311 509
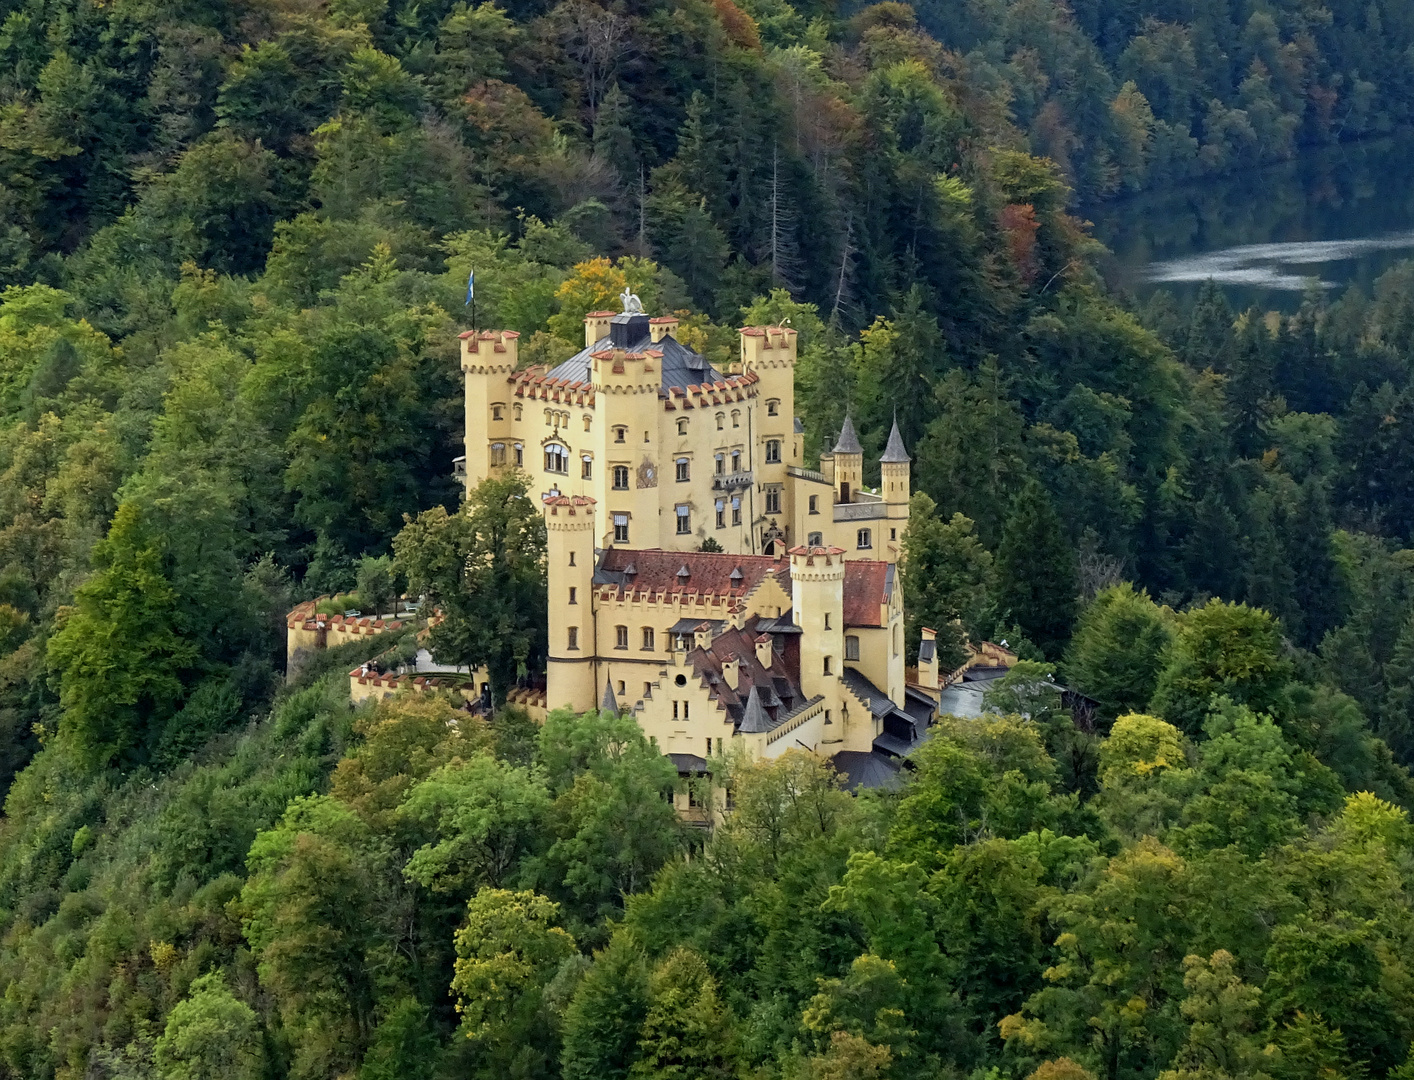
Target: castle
641 452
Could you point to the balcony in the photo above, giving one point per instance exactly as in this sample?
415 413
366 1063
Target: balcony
733 481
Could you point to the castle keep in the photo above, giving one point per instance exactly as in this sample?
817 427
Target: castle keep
640 452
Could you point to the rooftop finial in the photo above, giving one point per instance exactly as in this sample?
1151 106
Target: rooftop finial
632 304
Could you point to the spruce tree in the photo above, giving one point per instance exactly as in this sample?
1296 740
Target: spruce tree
1036 575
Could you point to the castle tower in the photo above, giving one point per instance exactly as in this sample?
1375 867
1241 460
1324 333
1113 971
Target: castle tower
626 390
489 358
894 485
817 604
572 678
769 353
849 463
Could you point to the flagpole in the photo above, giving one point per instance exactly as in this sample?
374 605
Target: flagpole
473 299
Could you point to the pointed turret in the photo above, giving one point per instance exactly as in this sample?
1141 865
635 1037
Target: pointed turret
848 441
849 462
611 701
754 720
894 453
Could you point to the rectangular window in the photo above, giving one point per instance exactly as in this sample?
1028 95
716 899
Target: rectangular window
827 665
682 470
736 509
773 451
520 455
851 647
721 514
815 540
815 504
648 638
498 453
647 689
675 709
620 477
620 434
684 521
772 407
572 638
586 468
621 637
574 598
621 528
773 500
865 538
684 710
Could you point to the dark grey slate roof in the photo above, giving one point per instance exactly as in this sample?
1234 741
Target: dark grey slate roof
799 426
848 441
688 764
926 651
864 769
754 720
610 702
894 451
680 366
689 626
896 745
879 703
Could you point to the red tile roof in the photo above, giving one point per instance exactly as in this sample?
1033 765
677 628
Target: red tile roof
865 590
707 572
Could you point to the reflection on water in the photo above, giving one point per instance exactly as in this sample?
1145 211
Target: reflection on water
1339 216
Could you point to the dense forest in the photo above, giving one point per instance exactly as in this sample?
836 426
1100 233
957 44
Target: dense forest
235 252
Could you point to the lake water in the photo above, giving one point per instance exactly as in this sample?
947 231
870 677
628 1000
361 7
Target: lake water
1338 216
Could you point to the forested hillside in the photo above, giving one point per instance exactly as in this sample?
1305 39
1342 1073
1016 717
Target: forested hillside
236 248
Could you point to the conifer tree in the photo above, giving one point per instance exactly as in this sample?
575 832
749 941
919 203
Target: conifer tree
1036 575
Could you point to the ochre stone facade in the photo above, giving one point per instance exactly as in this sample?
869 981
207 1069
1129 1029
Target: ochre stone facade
640 452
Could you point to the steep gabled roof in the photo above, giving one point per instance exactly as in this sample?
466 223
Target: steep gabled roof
867 586
680 366
707 572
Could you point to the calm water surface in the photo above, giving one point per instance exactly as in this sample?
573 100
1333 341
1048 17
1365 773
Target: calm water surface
1339 216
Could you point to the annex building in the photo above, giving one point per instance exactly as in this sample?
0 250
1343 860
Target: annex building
791 636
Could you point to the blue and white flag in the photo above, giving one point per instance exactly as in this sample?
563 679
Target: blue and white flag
470 286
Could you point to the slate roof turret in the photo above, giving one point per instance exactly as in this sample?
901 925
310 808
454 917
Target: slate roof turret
848 441
894 451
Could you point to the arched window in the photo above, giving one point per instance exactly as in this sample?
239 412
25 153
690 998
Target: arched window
520 455
773 406
498 412
586 467
498 453
721 420
620 477
682 426
721 513
736 461
851 647
773 451
815 540
515 411
736 509
557 458
683 470
736 418
588 422
721 460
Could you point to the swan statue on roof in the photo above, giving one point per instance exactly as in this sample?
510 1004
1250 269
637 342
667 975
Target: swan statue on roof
632 304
